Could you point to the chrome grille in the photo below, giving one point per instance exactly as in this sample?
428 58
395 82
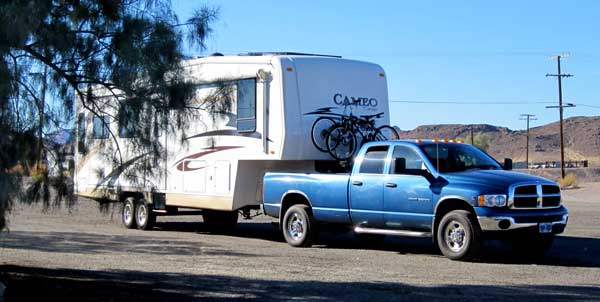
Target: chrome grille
534 196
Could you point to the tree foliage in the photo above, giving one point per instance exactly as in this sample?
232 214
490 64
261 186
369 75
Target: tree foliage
482 141
88 50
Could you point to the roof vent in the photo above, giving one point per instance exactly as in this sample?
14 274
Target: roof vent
255 54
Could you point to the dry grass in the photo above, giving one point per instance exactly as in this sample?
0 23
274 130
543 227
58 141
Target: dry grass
39 171
569 182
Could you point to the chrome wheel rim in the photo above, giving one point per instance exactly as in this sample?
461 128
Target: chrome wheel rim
142 214
127 213
296 227
456 238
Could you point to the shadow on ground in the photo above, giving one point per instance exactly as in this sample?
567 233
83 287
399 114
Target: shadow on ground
567 251
131 286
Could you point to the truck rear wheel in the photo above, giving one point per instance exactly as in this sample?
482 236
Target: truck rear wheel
220 222
128 213
458 236
144 217
299 226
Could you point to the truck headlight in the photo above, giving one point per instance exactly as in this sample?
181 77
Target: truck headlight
492 200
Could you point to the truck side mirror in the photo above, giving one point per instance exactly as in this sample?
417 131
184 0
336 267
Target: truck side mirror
508 165
399 165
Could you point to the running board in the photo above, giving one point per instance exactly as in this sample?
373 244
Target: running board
362 230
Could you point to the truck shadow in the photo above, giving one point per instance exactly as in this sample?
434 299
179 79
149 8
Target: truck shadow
132 286
567 251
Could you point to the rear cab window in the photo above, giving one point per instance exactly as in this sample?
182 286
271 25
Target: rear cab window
374 160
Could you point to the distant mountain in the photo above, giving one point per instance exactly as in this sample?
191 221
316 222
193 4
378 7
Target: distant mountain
582 139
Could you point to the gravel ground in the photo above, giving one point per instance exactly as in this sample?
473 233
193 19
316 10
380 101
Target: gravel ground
84 254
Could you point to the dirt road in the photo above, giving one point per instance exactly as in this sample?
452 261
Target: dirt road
87 252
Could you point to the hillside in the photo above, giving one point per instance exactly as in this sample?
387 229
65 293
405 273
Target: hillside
582 139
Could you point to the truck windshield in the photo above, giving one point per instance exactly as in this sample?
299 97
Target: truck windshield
458 158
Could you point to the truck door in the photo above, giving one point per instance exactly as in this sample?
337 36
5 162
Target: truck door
407 196
366 188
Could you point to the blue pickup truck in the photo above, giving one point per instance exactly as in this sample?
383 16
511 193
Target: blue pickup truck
450 191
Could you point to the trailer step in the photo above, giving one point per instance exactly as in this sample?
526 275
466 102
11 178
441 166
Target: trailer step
363 230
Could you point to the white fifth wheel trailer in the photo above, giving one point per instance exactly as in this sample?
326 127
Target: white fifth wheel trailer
277 97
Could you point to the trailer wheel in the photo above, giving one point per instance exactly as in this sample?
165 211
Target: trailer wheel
144 217
128 213
458 237
220 222
299 226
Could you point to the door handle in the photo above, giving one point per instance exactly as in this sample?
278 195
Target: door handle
391 185
357 183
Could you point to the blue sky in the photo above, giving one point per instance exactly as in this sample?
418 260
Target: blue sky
436 51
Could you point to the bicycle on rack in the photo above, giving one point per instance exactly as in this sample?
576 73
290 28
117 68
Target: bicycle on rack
342 141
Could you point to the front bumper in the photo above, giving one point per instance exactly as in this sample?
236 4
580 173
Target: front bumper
496 220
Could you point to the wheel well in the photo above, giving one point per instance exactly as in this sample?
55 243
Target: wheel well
124 195
290 200
447 206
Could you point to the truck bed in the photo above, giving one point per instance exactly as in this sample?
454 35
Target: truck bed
326 192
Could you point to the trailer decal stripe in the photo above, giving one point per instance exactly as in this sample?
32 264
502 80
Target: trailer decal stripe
182 164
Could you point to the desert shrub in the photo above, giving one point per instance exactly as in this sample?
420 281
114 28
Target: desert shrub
570 181
39 171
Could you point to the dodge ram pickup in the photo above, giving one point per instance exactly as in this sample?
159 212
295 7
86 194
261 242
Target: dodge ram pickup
450 191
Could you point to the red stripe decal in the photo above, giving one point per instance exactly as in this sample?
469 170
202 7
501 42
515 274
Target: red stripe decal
182 164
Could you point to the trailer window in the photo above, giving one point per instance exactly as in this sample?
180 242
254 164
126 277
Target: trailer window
374 160
126 122
101 126
81 133
246 105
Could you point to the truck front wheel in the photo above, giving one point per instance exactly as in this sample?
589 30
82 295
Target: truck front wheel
299 226
458 237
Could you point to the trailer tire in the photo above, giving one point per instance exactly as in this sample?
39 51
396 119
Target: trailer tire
299 226
220 222
458 236
144 217
128 213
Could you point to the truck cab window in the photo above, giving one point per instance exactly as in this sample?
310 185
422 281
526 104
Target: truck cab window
246 105
406 161
458 158
101 126
374 160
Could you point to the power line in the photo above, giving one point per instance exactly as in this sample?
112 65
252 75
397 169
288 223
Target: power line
488 103
586 105
469 103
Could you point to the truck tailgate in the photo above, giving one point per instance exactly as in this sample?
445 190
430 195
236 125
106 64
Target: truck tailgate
326 193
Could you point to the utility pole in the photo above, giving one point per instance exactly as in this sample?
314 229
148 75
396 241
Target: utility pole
560 107
528 117
472 138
